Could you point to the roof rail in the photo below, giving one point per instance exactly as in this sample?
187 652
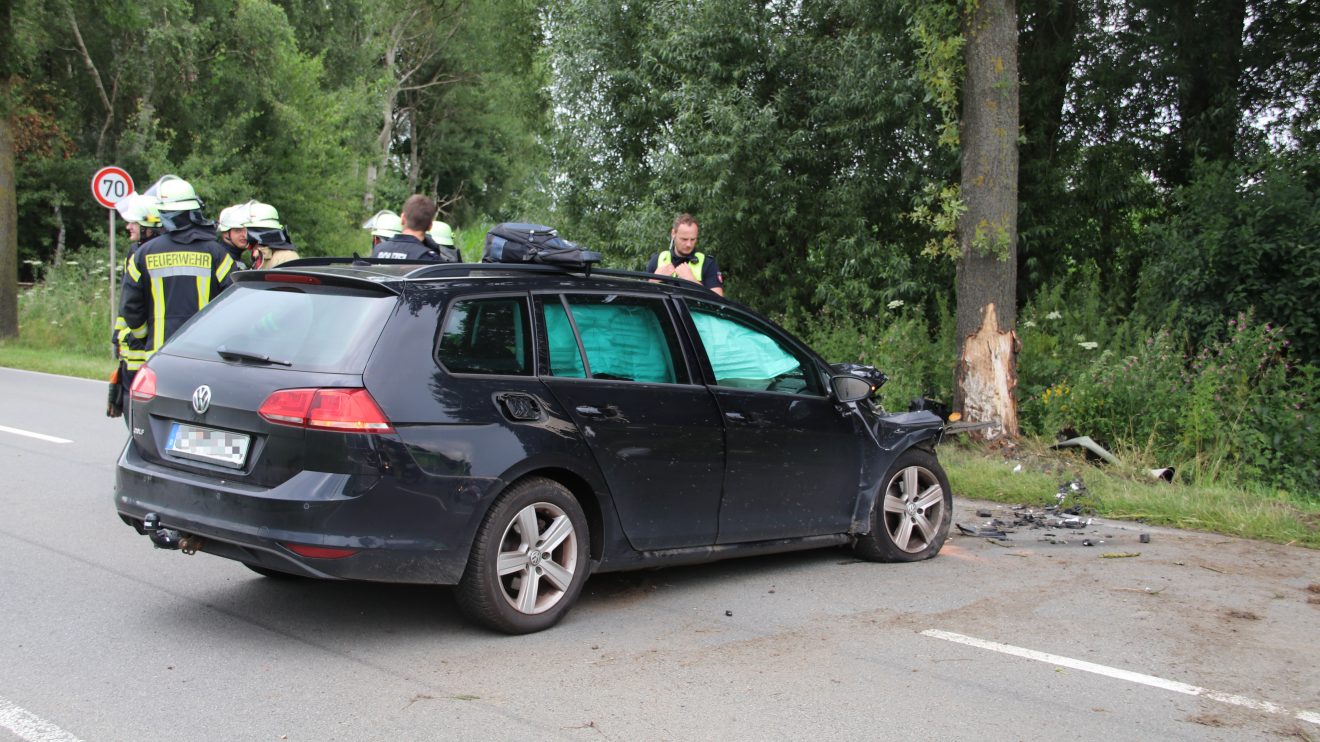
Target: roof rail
436 270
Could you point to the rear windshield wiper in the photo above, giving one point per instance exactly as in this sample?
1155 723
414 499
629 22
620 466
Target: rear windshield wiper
244 355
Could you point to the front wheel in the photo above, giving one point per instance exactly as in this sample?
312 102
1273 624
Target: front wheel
910 519
528 561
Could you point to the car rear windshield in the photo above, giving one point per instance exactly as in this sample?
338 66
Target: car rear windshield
330 329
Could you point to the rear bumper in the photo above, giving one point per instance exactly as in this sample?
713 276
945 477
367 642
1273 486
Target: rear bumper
416 532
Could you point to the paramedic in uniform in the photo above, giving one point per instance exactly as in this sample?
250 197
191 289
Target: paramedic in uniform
174 275
682 260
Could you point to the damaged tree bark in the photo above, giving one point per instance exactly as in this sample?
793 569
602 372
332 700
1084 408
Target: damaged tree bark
986 375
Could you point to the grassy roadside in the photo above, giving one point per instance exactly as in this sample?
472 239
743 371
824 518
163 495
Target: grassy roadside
974 473
1126 495
64 363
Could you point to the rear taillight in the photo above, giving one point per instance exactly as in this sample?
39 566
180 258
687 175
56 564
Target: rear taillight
345 410
144 385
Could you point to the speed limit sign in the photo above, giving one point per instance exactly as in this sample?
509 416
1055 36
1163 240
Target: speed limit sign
110 185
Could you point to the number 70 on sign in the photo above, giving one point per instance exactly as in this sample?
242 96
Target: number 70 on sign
110 185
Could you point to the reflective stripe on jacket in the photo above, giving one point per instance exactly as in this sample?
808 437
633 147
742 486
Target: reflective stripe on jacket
168 280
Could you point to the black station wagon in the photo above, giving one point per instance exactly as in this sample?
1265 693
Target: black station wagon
511 429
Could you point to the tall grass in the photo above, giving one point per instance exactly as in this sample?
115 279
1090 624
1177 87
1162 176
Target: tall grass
68 309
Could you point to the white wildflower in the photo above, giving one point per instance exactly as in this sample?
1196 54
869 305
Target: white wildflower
895 304
1090 345
1028 323
1054 315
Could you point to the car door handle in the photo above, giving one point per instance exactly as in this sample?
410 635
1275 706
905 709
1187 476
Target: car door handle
609 412
735 416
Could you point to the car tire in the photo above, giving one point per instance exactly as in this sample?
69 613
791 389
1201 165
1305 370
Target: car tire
274 574
528 561
911 515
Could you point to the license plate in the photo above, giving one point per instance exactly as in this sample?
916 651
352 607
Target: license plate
207 444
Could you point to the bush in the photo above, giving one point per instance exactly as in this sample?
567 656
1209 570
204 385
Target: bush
899 342
1237 411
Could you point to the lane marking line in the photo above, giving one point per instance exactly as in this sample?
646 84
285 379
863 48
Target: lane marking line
30 727
38 436
1114 672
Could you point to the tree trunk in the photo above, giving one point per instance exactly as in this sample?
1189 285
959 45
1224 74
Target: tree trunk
986 375
386 136
59 234
1208 59
8 224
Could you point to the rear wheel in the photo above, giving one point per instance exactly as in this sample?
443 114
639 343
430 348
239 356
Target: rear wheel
528 561
911 516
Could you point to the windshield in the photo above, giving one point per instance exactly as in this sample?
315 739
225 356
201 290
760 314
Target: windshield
306 328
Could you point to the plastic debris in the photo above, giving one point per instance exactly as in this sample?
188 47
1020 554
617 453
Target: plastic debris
1164 474
1094 450
981 532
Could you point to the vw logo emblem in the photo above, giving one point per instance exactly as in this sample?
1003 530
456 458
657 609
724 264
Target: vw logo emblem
201 399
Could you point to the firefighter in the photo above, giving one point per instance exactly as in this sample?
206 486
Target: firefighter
442 241
174 275
384 225
232 234
267 238
143 223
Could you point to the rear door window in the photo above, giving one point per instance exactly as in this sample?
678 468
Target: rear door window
308 328
612 337
488 335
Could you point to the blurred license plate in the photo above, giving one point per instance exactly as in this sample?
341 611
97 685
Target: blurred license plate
206 444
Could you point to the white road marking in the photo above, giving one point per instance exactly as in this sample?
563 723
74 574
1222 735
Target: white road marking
38 436
28 726
1128 675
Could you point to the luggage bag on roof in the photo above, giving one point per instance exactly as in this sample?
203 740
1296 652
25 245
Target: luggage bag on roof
514 242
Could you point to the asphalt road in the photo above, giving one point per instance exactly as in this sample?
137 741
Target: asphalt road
104 638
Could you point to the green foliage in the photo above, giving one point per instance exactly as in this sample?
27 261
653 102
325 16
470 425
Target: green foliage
1235 411
913 351
778 126
69 310
1240 238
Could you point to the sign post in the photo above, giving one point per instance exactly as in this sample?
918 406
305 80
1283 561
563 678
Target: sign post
110 185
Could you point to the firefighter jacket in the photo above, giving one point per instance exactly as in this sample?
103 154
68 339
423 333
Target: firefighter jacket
169 279
128 349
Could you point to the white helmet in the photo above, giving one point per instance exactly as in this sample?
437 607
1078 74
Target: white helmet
262 216
442 233
176 194
384 223
139 209
233 217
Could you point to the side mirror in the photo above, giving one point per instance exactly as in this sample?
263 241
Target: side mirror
849 388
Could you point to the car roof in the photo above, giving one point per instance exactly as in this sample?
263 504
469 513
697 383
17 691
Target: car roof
397 275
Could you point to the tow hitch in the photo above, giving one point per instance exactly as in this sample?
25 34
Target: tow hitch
168 538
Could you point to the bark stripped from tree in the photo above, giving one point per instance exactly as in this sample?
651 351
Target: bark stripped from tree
988 375
987 231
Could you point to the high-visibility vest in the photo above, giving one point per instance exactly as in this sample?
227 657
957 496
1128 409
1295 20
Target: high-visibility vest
698 259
